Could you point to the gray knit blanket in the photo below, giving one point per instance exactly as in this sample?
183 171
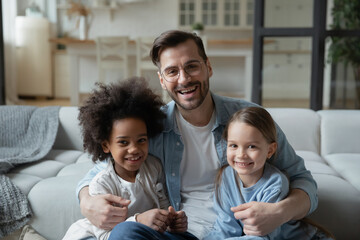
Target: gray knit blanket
27 134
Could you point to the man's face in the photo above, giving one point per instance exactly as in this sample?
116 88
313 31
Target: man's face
188 90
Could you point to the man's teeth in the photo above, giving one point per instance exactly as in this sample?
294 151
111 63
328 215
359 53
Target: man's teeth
188 90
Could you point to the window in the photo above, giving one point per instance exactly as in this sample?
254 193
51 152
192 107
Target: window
228 14
187 12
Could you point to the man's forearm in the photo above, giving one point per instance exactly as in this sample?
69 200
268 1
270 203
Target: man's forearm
84 192
83 195
296 205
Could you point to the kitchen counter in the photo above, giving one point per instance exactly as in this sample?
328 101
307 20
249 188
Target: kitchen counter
76 49
67 41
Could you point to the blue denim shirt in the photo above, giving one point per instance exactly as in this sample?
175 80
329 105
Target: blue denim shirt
168 147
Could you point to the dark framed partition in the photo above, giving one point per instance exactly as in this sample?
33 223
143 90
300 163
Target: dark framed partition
2 62
318 35
317 32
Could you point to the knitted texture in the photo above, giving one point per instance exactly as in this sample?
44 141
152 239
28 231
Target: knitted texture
27 134
15 211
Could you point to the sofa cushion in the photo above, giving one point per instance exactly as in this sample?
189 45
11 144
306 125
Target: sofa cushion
340 131
301 127
348 165
339 208
76 169
316 163
309 156
64 156
23 181
69 135
41 169
54 205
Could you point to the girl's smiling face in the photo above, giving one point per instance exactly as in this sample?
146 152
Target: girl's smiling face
128 145
247 151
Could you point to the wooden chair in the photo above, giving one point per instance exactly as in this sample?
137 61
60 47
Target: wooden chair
112 54
143 60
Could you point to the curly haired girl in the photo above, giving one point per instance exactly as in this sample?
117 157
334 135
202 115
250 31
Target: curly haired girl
116 122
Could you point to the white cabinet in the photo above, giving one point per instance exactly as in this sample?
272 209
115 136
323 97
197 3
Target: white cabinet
217 14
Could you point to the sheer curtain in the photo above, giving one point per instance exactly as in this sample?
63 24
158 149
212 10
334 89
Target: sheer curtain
9 12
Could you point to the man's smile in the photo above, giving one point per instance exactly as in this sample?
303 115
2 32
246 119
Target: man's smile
187 90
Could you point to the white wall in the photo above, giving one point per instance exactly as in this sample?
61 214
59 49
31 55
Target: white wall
147 18
150 18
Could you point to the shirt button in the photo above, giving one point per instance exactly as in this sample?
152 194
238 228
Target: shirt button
173 174
177 144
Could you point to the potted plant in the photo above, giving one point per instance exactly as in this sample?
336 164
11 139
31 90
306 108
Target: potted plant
197 28
346 15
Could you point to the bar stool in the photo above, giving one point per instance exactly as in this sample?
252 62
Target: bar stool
143 60
112 54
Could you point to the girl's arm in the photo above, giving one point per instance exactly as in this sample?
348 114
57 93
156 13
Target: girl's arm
226 225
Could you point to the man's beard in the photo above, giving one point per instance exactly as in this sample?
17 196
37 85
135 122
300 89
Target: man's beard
193 104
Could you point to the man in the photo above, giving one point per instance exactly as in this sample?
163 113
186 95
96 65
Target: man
191 149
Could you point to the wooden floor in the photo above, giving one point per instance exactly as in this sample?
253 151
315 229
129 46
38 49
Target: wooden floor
41 102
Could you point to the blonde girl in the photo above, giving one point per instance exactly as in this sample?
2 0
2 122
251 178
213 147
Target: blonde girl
251 142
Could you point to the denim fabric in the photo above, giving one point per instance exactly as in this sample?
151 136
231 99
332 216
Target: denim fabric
168 147
138 231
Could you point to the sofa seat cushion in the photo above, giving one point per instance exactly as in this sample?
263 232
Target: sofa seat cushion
55 205
347 165
64 156
23 181
76 169
316 164
339 199
41 169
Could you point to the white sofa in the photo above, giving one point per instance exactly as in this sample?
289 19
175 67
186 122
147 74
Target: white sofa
328 140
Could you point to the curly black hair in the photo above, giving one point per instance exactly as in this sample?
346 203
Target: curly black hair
129 98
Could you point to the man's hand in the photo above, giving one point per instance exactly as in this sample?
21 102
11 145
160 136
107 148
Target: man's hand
260 218
179 221
103 211
157 219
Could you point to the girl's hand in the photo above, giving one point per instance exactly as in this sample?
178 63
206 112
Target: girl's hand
179 221
157 219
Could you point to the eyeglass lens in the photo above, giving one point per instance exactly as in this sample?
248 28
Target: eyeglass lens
172 74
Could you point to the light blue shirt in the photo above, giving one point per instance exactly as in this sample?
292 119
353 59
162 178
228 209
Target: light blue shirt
272 187
169 148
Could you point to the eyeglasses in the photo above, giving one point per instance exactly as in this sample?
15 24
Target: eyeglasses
172 74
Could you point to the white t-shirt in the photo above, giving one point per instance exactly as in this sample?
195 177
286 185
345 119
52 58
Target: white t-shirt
198 169
147 192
